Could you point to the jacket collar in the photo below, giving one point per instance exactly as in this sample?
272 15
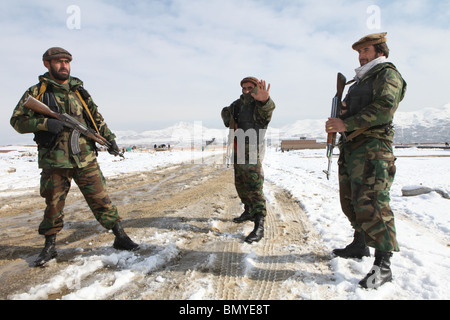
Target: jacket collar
73 82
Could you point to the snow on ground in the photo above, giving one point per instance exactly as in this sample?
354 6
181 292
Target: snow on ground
422 267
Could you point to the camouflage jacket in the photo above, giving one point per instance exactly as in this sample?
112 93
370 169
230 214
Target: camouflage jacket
262 112
388 89
59 154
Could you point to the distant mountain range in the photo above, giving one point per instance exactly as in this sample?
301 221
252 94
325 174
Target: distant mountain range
429 125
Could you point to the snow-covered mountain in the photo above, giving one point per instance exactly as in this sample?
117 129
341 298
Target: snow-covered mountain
180 134
426 125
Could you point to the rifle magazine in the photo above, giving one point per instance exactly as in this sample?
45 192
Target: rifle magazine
75 142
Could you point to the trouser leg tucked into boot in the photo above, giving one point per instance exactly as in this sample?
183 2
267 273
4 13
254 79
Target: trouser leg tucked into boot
122 241
356 249
258 232
49 251
380 272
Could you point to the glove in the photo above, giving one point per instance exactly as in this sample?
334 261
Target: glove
113 149
54 126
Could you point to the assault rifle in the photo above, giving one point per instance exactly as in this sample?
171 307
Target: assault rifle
68 121
335 112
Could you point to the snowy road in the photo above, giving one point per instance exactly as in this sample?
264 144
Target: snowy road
181 216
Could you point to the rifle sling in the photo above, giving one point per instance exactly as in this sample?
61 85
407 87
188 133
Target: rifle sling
42 90
354 134
87 110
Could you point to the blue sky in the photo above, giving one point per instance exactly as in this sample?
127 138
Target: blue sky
150 64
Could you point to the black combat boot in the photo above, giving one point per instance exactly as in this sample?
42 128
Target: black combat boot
122 241
356 249
244 217
258 232
380 272
49 251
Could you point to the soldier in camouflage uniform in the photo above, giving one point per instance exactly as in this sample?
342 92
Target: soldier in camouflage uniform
65 94
248 118
366 161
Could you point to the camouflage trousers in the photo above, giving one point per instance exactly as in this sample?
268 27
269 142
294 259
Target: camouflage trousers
366 173
249 180
55 185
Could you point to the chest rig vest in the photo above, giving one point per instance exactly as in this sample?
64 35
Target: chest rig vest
249 133
244 118
359 95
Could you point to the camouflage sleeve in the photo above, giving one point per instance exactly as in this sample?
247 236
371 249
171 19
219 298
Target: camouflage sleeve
264 112
23 120
387 93
227 114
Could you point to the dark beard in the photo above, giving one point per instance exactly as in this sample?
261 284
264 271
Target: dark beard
59 76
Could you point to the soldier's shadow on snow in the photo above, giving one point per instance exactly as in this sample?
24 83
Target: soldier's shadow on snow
195 225
275 268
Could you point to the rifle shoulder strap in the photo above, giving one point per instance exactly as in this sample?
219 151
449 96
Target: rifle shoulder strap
356 133
87 110
42 89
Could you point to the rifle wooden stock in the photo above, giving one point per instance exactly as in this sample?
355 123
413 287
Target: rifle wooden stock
39 107
341 81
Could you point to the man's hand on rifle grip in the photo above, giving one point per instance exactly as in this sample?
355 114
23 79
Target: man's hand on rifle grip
334 125
54 126
114 149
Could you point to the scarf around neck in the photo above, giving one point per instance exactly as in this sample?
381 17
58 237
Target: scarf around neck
361 71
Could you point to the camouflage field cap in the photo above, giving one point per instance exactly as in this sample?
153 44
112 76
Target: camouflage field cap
251 80
56 53
371 39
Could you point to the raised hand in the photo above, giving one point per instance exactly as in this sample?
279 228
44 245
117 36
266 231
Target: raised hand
262 93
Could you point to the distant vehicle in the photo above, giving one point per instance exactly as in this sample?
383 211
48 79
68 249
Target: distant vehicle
162 147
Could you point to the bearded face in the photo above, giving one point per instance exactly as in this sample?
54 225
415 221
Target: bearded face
59 69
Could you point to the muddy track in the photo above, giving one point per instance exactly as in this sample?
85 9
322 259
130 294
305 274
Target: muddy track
190 248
